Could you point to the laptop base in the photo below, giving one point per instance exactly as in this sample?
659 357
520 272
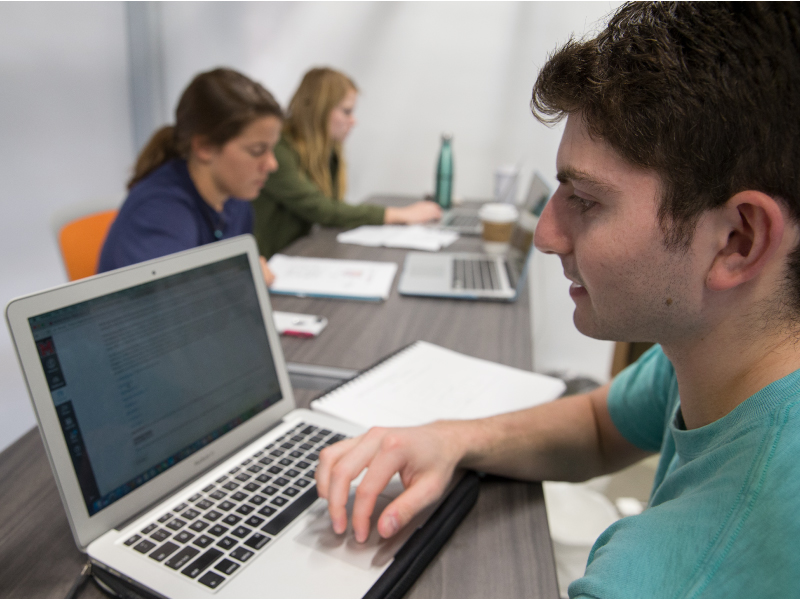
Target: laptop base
409 563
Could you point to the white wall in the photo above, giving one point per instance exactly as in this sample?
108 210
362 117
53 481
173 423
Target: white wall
64 142
423 68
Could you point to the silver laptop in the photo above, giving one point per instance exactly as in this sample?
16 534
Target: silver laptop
462 219
165 408
478 276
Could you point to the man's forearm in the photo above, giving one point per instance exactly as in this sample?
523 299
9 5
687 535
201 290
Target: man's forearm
570 439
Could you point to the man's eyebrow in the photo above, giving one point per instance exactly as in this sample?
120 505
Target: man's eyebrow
569 174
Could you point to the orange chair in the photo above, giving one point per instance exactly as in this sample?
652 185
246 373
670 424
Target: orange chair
82 240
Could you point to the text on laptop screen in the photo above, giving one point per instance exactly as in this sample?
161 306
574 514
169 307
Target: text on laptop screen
145 377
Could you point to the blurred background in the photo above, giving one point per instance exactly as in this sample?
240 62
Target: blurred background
84 84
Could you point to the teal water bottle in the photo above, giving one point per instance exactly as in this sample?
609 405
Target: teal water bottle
444 173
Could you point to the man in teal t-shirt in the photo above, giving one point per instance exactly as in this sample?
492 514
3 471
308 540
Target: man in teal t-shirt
677 221
722 518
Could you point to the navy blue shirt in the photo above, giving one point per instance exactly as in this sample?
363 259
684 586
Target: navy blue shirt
163 214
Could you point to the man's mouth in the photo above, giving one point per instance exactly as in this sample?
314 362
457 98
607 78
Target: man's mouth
576 287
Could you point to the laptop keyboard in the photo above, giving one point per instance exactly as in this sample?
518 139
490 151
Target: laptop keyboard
211 535
475 274
459 220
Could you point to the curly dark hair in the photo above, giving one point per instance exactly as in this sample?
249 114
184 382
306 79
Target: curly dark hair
705 94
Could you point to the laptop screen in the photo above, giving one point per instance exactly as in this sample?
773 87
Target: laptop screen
145 377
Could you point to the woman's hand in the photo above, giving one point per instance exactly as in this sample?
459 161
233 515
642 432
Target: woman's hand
269 276
419 212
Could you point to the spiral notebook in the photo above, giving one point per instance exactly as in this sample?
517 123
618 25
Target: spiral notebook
424 382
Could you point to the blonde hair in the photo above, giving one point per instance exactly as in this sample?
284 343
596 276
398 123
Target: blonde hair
217 104
321 90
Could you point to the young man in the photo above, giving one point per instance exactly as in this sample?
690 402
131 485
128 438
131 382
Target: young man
677 219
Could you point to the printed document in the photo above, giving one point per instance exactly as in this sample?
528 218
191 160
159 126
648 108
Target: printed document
416 237
331 277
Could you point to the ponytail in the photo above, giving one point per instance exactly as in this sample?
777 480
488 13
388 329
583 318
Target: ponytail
159 149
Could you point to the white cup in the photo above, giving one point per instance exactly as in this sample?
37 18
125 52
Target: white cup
505 184
497 223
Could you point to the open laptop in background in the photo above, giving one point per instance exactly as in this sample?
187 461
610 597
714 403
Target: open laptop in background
478 276
462 219
465 220
166 411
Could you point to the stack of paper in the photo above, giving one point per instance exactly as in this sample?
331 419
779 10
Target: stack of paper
425 383
416 237
331 277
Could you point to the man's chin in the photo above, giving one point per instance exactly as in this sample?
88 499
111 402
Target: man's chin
591 328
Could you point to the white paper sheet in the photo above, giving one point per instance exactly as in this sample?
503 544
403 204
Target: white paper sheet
417 237
331 277
426 383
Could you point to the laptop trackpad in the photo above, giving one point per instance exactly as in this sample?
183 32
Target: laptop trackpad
435 270
375 552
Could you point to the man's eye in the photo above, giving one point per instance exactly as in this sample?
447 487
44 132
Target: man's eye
582 203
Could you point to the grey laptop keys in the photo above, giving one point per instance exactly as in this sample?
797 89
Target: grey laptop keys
462 219
478 276
166 411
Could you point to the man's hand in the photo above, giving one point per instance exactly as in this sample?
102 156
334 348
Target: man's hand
419 212
269 276
425 457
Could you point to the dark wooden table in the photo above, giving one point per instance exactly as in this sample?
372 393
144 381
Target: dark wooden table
502 548
359 333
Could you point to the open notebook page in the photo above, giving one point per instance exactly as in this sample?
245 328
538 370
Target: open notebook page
425 383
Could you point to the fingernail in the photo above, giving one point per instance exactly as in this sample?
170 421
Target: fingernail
390 525
361 537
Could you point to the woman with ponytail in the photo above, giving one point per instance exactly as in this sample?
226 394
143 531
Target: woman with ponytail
193 181
311 179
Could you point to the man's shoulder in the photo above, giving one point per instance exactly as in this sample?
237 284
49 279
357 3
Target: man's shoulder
679 549
722 518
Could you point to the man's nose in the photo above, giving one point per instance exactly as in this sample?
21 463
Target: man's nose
552 235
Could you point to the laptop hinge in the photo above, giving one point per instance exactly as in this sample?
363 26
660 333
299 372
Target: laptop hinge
316 377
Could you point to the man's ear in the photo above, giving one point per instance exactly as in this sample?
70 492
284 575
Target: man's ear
749 228
202 149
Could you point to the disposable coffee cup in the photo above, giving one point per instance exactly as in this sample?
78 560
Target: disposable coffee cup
505 184
497 221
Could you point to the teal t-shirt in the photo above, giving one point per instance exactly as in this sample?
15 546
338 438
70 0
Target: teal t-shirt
723 519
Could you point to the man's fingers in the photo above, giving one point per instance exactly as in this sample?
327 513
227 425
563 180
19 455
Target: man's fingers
333 476
383 453
343 471
327 458
407 505
381 470
421 491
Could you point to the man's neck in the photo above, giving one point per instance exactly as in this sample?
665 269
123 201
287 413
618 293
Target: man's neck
720 371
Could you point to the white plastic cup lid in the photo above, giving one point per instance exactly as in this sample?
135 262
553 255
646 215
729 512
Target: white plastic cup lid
497 212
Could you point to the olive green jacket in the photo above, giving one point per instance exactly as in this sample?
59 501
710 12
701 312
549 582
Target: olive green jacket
290 203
